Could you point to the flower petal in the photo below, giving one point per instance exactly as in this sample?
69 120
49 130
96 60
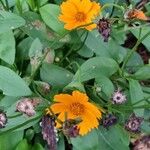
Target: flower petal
63 98
79 97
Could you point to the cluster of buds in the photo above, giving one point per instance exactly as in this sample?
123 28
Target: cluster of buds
3 119
118 97
27 106
142 144
109 120
49 131
70 129
133 123
104 29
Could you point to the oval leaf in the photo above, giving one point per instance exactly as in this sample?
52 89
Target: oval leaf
10 21
11 84
143 73
50 13
7 47
56 76
94 67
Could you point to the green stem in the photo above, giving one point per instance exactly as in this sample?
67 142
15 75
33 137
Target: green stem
3 4
129 54
71 50
7 4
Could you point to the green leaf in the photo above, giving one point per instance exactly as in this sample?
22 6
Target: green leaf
105 84
94 67
96 44
136 94
18 122
10 140
7 101
36 48
87 142
145 30
7 47
10 21
11 84
37 146
113 139
50 13
56 76
143 73
23 145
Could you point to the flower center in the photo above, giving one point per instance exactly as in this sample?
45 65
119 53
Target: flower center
77 109
80 16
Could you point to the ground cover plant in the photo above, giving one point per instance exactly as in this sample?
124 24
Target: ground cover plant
74 75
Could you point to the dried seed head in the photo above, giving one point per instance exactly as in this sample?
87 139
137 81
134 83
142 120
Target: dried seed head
70 128
49 132
133 123
103 26
26 106
135 14
3 119
118 98
109 120
142 143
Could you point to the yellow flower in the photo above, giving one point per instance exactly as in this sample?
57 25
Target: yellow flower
77 106
76 13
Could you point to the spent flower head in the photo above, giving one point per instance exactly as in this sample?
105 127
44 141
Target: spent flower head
49 131
27 106
109 120
133 123
142 144
118 97
104 29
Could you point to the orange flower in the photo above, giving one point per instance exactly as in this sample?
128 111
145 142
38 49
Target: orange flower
76 13
77 106
135 14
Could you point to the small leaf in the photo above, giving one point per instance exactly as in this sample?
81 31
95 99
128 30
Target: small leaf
23 145
136 94
37 146
36 48
10 140
7 47
11 84
94 67
143 73
105 84
87 142
56 76
113 139
10 21
50 13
